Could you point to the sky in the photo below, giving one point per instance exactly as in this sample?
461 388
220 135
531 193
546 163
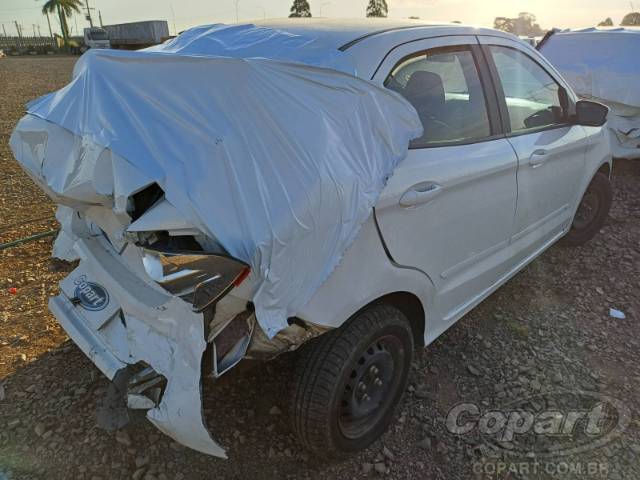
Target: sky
187 13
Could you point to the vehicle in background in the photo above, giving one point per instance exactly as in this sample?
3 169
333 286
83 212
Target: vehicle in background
602 64
95 37
136 35
533 41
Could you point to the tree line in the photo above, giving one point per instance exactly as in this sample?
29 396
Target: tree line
525 24
629 20
375 8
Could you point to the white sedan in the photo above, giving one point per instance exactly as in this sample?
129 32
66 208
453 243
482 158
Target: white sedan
509 162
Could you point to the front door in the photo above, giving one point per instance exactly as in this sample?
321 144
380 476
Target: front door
449 207
551 152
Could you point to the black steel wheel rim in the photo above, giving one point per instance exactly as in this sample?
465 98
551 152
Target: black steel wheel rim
371 386
587 210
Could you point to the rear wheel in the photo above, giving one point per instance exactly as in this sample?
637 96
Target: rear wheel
592 211
349 381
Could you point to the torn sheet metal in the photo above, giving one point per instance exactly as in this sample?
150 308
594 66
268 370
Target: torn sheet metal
602 65
163 216
280 162
287 340
64 242
260 346
119 319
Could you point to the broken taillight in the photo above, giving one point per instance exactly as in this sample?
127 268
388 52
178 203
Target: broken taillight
199 278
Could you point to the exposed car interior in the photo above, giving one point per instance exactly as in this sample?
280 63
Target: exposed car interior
533 98
445 89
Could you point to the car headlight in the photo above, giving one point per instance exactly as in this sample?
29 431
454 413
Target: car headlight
199 278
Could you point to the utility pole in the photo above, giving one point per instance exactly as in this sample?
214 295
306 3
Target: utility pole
100 17
39 34
237 1
86 2
173 15
324 5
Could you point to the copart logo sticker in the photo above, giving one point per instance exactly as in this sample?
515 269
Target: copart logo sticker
90 295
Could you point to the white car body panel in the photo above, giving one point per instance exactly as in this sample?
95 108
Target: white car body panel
478 181
550 166
367 274
469 220
470 184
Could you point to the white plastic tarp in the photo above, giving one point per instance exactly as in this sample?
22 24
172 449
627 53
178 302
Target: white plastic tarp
603 65
249 41
280 161
598 63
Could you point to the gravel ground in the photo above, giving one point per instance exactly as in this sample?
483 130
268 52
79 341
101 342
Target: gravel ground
545 340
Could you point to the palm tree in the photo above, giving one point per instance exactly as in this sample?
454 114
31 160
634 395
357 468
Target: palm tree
64 9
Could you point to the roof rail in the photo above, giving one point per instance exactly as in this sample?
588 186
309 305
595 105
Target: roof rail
377 32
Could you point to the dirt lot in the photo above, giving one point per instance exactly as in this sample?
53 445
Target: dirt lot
545 340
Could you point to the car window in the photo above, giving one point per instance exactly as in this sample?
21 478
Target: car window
531 94
444 87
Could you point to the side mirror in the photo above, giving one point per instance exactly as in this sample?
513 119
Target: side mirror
590 114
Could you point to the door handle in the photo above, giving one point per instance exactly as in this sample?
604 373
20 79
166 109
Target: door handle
538 157
420 194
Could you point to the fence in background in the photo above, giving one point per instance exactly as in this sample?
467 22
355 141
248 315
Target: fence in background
26 43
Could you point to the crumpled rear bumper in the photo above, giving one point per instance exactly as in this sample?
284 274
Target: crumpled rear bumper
129 320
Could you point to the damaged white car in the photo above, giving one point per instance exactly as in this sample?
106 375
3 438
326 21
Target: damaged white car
241 190
601 64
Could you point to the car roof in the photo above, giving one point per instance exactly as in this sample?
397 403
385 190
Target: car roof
342 33
368 40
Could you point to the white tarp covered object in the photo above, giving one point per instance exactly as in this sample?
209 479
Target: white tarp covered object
604 65
279 158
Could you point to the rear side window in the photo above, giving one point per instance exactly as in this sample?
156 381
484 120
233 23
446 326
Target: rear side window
531 94
444 87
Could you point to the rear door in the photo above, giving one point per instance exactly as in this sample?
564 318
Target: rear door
448 209
551 152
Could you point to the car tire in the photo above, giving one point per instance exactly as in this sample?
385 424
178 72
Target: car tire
591 213
348 382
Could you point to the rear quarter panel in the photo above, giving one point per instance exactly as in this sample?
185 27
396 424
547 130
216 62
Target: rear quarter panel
364 275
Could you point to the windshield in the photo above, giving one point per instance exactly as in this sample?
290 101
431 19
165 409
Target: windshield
98 35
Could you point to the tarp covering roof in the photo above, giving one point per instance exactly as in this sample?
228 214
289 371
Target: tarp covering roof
599 63
603 65
281 162
250 41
